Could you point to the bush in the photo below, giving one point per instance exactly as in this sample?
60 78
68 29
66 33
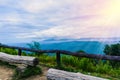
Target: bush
29 71
113 50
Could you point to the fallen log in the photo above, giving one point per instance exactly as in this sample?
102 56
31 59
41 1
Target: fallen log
31 61
54 74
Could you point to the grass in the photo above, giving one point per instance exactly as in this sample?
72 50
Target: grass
100 68
84 65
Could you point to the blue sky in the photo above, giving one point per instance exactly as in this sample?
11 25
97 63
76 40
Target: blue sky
27 20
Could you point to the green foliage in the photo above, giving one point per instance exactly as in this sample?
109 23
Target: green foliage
113 49
84 65
9 51
103 67
35 45
48 60
29 71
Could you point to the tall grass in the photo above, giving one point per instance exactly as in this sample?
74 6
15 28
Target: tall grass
84 65
8 50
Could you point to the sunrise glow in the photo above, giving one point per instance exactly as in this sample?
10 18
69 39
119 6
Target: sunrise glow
37 19
112 12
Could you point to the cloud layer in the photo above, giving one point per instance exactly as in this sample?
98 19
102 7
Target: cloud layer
26 20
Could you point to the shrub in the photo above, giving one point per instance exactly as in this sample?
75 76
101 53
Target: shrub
29 71
113 50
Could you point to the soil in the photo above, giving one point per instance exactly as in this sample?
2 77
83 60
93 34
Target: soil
7 73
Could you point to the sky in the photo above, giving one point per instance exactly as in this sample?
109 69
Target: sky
27 20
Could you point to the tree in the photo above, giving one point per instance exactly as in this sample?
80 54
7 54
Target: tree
34 45
113 49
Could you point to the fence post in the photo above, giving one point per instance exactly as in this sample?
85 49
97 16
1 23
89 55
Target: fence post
0 46
19 52
58 57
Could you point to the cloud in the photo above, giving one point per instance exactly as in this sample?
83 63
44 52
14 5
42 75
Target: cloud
35 6
57 18
71 32
12 18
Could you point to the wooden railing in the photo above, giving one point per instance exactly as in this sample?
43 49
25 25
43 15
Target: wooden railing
59 52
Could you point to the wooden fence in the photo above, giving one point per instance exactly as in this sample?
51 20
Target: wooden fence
59 52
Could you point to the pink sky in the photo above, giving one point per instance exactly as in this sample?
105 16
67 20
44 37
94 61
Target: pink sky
59 18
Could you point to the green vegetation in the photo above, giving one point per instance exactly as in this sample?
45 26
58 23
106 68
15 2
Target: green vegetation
34 45
113 50
84 65
29 71
101 68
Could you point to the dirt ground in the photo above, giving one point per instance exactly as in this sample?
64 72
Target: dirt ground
6 74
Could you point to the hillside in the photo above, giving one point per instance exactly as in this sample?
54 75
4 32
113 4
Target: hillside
92 47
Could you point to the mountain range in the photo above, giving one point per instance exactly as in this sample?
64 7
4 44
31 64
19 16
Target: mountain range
89 45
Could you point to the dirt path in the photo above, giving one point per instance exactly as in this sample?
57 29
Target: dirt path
5 73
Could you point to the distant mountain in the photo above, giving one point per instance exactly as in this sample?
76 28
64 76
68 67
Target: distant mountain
89 45
93 47
105 40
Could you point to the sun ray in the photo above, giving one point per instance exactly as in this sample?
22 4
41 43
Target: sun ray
112 12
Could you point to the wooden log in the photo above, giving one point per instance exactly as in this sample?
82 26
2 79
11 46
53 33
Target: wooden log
31 61
54 74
